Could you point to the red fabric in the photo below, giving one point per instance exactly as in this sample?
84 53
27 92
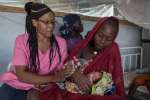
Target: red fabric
108 60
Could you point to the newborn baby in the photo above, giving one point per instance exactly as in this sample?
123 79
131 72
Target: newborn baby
102 82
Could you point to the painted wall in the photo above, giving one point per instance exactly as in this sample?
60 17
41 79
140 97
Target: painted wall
12 24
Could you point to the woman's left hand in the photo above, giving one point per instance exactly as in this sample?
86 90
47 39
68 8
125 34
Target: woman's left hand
40 87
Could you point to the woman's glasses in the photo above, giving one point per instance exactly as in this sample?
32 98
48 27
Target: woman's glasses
47 22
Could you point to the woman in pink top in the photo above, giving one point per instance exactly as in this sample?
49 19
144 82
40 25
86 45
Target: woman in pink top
38 55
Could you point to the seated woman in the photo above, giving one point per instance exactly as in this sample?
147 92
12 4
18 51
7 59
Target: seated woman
38 55
71 29
102 54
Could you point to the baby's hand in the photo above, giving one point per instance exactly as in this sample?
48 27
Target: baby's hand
94 76
64 73
69 68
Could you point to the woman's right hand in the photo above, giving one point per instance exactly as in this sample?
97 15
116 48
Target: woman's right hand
82 81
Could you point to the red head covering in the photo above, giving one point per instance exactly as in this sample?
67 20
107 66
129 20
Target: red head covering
89 37
99 60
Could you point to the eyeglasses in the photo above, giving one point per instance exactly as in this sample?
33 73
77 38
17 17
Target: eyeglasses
47 22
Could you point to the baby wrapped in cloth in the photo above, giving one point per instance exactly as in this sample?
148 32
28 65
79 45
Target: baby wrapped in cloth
102 82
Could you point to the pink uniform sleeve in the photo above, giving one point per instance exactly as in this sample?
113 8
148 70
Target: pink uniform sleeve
19 53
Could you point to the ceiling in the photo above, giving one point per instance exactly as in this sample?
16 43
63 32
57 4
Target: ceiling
136 11
95 8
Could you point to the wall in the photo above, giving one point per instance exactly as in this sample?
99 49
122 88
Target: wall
12 24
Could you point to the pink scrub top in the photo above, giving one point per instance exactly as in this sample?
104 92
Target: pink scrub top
21 57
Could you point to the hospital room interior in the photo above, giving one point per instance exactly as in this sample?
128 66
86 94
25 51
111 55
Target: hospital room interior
133 37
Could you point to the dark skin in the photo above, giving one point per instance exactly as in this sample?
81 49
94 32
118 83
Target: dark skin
103 38
77 28
44 26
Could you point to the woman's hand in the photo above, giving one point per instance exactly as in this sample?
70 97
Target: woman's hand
82 81
40 87
64 73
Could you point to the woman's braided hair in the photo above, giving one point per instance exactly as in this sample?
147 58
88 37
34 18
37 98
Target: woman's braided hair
35 11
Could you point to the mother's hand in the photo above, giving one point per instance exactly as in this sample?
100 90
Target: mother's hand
82 81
